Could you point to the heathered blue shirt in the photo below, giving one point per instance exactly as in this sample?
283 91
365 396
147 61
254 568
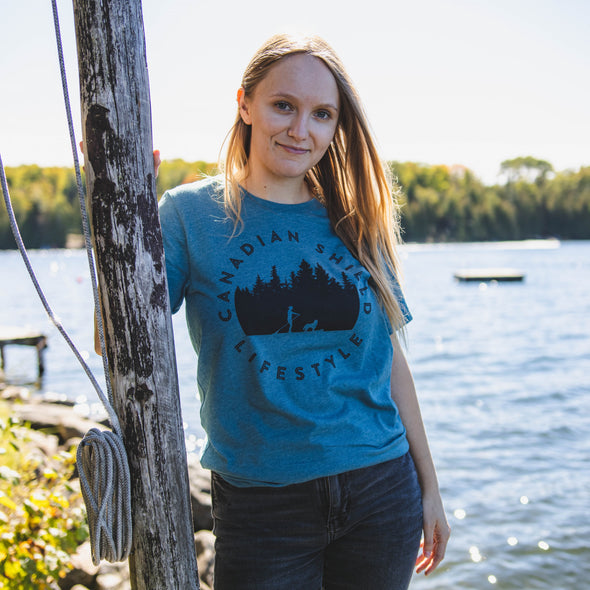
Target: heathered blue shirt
294 350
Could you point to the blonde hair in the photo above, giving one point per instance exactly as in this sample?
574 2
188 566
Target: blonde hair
350 179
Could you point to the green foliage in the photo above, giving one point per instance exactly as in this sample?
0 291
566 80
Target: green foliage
42 520
567 204
45 204
439 203
526 167
175 172
450 204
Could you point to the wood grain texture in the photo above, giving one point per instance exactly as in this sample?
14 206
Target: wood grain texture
116 123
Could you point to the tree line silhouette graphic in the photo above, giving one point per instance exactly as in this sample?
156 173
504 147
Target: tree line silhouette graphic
309 299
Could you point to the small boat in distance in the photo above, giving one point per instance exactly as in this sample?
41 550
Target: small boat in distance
482 275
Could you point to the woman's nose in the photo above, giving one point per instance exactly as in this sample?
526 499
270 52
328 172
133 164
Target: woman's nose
298 128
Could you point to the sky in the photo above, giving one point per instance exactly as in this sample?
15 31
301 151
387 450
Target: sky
468 82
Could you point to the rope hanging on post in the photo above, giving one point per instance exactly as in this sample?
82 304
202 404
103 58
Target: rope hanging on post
104 479
101 457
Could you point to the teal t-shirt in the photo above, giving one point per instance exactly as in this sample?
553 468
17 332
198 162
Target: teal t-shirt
294 350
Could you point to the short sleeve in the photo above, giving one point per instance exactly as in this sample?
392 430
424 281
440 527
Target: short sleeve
406 314
403 306
175 250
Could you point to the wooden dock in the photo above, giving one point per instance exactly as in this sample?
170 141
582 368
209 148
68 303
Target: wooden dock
483 275
23 337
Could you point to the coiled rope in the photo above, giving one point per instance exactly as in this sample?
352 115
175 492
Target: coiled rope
101 458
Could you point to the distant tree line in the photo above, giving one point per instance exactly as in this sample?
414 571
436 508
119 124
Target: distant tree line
46 206
46 203
438 203
442 203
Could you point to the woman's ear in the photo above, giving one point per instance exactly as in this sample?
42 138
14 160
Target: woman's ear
243 107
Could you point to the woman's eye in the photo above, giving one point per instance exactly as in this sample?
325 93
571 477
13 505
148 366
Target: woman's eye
283 105
323 114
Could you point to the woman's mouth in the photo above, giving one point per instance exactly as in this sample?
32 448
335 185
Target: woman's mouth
294 150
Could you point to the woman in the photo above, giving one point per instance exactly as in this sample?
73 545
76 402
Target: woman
288 269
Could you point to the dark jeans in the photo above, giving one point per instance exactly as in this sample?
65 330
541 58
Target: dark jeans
357 530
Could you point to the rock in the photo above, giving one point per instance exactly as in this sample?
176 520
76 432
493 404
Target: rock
113 576
84 572
14 392
200 486
105 576
114 580
47 444
61 419
108 582
72 442
205 547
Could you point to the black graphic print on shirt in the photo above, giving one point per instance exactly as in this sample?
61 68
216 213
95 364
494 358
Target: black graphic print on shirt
309 299
272 295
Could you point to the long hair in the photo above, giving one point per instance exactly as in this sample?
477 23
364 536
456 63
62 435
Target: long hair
350 179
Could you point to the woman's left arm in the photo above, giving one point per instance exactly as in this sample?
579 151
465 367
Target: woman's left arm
436 527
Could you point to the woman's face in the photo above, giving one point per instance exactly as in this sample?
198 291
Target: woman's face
293 112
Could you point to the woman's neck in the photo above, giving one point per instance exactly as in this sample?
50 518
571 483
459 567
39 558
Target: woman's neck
290 191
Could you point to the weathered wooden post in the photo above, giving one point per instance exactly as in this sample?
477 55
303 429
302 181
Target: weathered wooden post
116 123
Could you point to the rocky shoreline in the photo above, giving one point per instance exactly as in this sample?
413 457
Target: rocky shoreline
59 426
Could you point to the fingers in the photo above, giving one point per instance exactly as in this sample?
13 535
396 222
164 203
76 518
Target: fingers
433 548
424 559
157 161
427 546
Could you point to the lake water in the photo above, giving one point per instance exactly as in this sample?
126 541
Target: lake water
503 374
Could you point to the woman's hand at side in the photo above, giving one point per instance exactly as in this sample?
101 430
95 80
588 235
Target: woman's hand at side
435 526
436 533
